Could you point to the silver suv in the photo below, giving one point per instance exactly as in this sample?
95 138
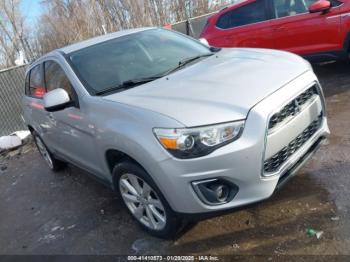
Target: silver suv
177 128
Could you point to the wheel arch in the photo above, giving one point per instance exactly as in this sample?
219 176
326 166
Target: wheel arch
346 44
30 128
114 156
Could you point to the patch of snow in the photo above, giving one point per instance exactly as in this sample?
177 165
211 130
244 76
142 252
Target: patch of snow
23 134
71 226
140 245
55 228
9 142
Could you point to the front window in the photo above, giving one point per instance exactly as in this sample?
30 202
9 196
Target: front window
290 7
284 8
55 78
146 54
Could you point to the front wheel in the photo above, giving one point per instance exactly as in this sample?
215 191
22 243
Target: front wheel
144 200
53 163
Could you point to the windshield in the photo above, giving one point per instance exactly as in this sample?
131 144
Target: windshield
146 54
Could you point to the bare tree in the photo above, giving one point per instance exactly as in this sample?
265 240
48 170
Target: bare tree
68 21
13 34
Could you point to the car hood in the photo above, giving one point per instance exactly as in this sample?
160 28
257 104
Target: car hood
220 88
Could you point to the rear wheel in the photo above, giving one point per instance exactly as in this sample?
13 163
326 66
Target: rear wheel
144 200
53 163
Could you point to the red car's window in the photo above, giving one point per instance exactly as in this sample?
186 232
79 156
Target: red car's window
248 14
285 8
335 3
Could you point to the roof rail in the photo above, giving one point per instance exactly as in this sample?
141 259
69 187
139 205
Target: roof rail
222 9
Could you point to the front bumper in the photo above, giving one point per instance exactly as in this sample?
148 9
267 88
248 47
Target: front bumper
241 162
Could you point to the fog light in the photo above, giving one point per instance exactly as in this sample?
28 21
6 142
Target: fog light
222 192
215 191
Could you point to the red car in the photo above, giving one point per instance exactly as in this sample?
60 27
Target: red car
317 30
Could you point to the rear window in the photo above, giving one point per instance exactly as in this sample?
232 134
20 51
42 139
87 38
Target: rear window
251 13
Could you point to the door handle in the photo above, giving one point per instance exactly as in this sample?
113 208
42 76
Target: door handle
50 116
280 28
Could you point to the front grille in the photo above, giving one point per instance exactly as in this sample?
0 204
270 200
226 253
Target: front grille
293 107
275 162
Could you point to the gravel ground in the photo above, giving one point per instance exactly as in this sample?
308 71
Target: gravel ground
69 213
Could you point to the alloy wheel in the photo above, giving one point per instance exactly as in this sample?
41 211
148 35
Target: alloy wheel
142 201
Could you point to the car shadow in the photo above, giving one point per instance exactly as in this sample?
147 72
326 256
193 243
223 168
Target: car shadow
334 77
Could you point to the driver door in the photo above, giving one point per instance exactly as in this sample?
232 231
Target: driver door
298 31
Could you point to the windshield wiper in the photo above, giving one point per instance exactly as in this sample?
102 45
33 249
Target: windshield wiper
128 84
186 61
191 59
139 81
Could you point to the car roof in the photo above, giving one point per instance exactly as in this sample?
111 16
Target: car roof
233 5
100 39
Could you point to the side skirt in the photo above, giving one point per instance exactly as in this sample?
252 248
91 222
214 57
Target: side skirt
327 56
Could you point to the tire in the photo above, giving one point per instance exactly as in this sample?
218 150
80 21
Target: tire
144 201
53 163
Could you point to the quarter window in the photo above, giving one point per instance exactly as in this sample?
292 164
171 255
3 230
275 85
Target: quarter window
55 78
252 13
36 82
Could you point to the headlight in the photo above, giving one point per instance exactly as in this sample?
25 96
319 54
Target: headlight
200 141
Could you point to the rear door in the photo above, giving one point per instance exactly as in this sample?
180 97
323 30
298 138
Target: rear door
75 133
34 106
298 31
245 25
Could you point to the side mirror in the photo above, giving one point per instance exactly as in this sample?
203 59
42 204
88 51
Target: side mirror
320 6
204 41
55 100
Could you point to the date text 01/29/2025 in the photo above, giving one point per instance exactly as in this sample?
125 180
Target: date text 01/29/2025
173 258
